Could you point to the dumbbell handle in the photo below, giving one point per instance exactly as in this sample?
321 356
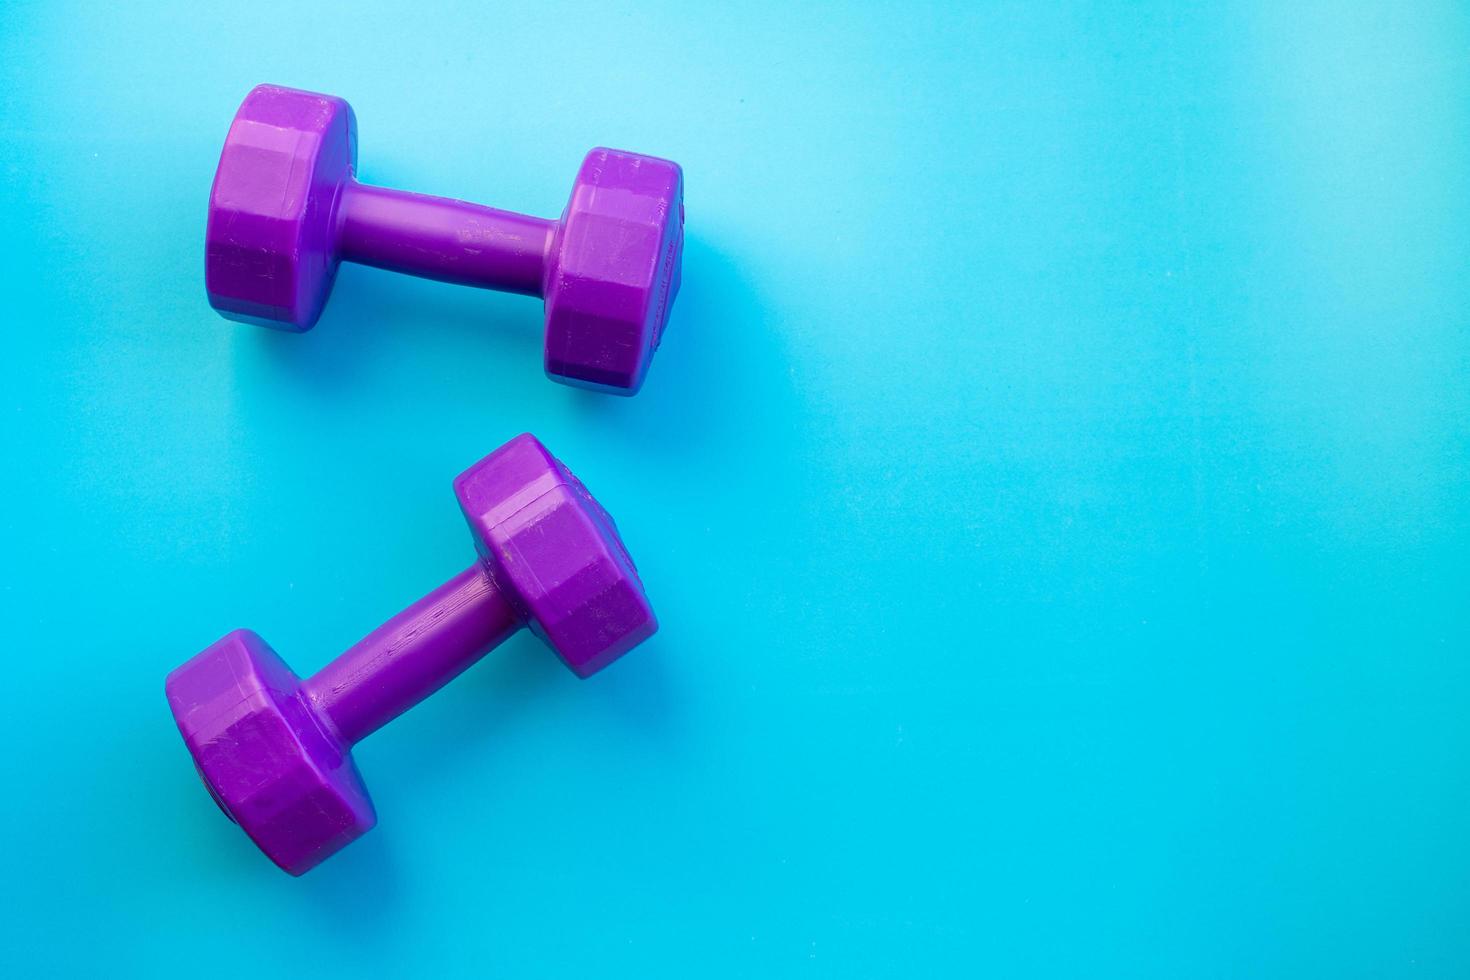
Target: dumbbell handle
437 238
413 654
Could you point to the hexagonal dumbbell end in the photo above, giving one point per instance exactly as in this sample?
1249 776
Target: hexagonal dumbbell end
557 553
274 750
616 272
286 209
265 756
270 243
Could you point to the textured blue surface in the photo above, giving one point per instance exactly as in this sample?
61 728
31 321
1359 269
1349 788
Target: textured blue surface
1053 487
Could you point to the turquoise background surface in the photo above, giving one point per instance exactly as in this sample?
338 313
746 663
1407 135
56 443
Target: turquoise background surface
1053 487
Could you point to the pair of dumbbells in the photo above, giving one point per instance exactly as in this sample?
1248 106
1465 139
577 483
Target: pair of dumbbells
274 750
286 209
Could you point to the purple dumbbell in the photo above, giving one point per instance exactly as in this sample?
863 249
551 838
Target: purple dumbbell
274 750
286 209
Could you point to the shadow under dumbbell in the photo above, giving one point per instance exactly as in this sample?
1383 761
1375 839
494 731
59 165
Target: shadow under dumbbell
465 742
468 722
708 374
356 896
378 320
700 386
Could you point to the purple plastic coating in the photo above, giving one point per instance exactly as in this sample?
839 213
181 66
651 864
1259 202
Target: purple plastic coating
436 238
286 209
412 655
274 750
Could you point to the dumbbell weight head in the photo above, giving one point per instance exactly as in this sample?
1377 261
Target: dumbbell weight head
610 273
271 763
618 250
280 767
556 553
270 245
